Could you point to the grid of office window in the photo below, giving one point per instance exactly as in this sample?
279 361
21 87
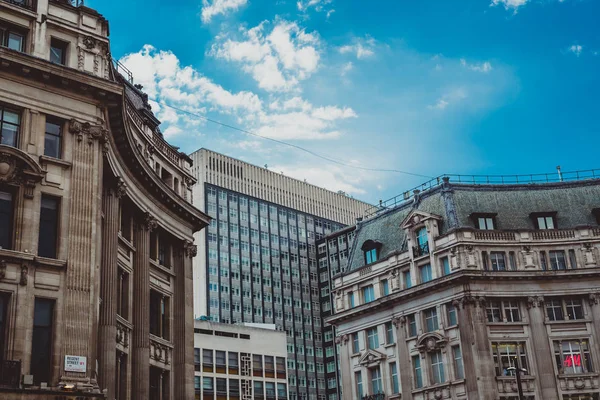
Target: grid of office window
262 267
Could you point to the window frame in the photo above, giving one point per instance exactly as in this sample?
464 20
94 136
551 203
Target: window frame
586 365
498 356
43 233
433 318
19 113
9 29
541 220
11 192
372 335
63 46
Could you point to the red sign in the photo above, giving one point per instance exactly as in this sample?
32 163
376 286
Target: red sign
573 361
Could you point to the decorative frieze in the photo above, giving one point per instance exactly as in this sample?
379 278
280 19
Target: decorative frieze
534 301
578 382
160 352
190 249
93 132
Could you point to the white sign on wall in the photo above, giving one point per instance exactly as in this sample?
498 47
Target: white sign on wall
75 364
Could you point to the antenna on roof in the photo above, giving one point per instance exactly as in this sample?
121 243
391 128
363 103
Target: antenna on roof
560 178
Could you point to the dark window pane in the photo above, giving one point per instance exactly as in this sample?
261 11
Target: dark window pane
48 236
41 343
6 209
15 41
52 139
4 299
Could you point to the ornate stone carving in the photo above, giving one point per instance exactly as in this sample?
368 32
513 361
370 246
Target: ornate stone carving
2 269
80 58
339 300
190 249
594 298
93 132
588 251
343 340
534 301
394 279
431 342
24 273
399 320
121 188
8 167
89 42
149 222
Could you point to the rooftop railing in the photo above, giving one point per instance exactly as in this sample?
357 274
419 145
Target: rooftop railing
75 3
553 177
28 4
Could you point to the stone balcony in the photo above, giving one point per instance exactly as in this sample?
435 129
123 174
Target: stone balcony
576 382
508 384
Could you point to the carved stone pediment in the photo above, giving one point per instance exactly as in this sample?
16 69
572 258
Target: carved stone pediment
371 358
430 342
418 217
19 169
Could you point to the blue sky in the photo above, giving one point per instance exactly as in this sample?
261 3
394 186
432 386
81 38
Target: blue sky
428 86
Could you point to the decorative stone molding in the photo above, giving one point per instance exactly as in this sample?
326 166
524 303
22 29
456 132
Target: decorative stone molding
339 300
2 269
594 298
18 168
476 301
528 257
588 251
394 278
121 188
89 42
93 132
534 301
430 342
149 223
160 352
190 249
399 320
588 382
24 274
343 340
123 334
371 358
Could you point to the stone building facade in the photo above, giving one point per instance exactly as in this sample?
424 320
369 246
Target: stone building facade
447 295
96 220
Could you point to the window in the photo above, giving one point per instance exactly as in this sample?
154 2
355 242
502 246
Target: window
437 367
13 38
412 325
368 294
257 365
389 333
558 261
351 299
123 294
4 300
58 51
371 256
376 383
394 378
372 338
41 341
445 266
355 344
545 221
573 356
431 319
498 261
407 279
10 122
418 373
359 384
159 318
52 138
459 369
48 234
422 243
6 219
557 309
385 287
503 311
485 222
451 313
505 356
425 272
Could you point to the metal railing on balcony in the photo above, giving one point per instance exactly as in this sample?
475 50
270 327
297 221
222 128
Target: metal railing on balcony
553 177
421 249
75 3
28 4
10 373
376 396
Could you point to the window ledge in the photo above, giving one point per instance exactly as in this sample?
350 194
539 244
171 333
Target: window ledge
439 386
520 323
125 322
55 161
15 255
567 321
49 262
127 243
389 345
581 375
162 341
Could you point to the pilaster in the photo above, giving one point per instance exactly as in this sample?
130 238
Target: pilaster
403 354
140 387
345 362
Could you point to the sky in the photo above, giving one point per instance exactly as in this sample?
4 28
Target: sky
386 93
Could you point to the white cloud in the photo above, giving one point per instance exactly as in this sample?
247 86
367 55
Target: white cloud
346 68
509 4
575 49
277 60
362 48
220 7
334 178
451 97
484 67
317 5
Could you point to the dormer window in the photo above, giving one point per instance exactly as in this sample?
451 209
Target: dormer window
596 213
546 220
484 221
371 250
422 242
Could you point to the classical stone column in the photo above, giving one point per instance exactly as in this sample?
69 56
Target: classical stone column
140 379
403 357
78 335
184 322
480 375
107 331
345 365
541 351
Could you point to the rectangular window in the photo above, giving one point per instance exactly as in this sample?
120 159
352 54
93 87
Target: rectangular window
572 259
394 378
505 356
372 338
425 271
498 261
412 325
459 369
257 365
451 313
385 287
359 384
159 316
58 51
351 299
431 319
6 219
573 356
503 311
407 279
545 222
437 367
52 138
370 256
48 234
207 360
4 300
445 261
13 38
389 333
486 223
368 294
422 243
558 261
355 344
418 373
10 122
123 294
376 383
41 342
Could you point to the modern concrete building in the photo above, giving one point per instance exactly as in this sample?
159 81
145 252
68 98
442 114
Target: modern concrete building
260 260
96 220
452 289
239 362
